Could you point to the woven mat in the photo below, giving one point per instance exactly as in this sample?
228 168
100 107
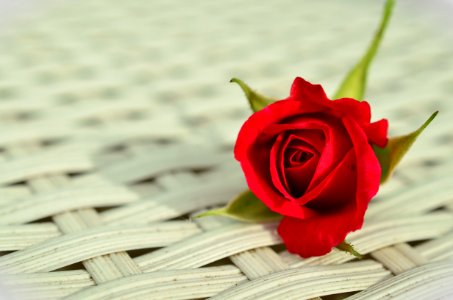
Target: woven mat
117 123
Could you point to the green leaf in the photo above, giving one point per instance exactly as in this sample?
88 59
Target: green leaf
353 86
257 101
347 247
396 148
246 207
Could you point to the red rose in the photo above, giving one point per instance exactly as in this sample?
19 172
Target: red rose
310 159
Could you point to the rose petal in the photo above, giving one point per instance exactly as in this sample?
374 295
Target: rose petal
299 177
338 188
368 169
297 145
296 157
337 215
277 167
328 187
377 132
336 145
312 136
300 149
300 173
336 140
361 113
312 95
309 99
358 110
316 235
256 169
254 130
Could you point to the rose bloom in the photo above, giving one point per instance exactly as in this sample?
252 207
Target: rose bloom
311 160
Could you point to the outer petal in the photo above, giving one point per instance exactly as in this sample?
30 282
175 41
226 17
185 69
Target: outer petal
368 169
317 235
377 132
358 110
312 95
361 113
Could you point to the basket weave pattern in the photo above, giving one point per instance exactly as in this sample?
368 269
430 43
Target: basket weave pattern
117 126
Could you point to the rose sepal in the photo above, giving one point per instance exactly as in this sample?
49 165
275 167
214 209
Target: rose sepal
245 207
347 247
256 100
396 148
354 84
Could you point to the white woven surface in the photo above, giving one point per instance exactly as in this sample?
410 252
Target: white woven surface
117 122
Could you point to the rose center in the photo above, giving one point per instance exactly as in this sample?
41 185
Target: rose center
298 164
295 157
299 157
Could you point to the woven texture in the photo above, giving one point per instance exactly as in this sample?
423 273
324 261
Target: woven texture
117 124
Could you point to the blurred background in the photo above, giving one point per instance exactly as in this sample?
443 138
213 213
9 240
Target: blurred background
95 71
142 59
